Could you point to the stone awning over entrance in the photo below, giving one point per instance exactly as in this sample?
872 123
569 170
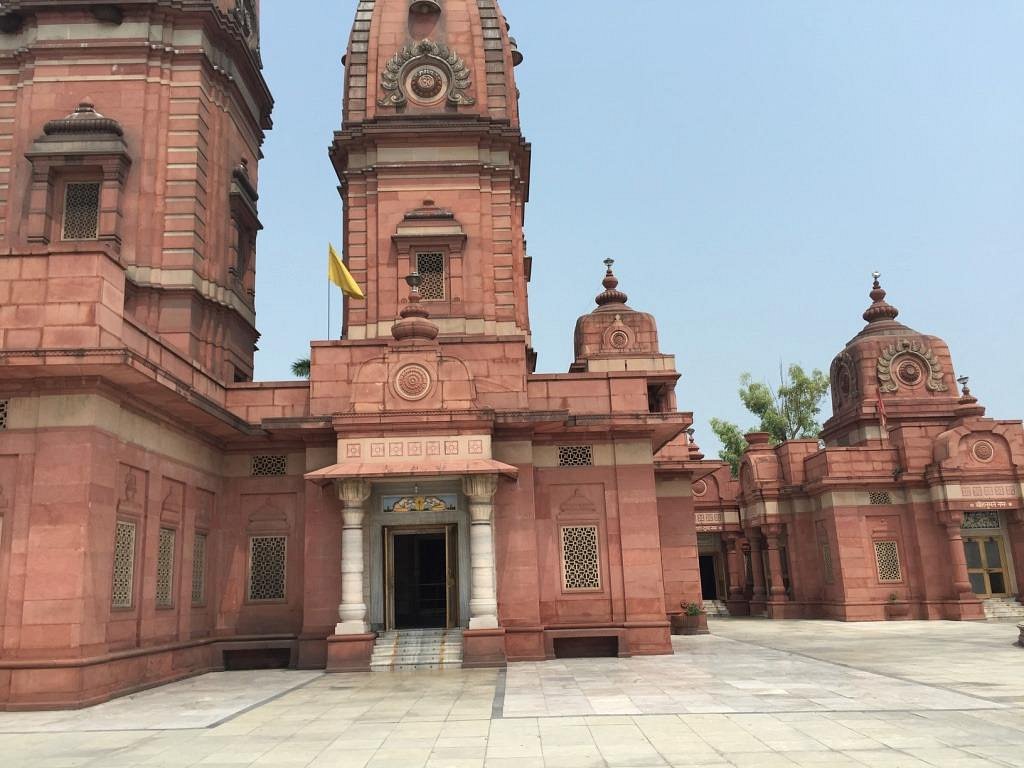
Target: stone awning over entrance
429 468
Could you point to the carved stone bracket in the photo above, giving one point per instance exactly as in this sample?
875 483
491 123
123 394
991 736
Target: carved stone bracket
429 70
891 371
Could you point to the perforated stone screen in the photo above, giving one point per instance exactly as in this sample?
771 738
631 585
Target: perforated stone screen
269 466
4 407
165 569
575 455
581 560
887 561
431 269
124 564
268 559
826 559
199 569
981 520
81 211
880 498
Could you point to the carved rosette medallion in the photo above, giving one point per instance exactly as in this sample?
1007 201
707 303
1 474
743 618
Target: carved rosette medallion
983 451
620 339
909 363
426 73
845 387
700 488
413 382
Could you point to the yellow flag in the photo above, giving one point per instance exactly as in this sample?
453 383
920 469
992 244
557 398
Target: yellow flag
338 274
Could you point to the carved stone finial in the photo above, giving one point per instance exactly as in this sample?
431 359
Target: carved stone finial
879 310
84 120
611 294
415 322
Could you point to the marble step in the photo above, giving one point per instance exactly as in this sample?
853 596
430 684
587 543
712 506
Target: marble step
417 649
1003 608
716 608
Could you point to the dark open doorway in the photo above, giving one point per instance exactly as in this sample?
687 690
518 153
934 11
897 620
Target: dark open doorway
420 580
708 577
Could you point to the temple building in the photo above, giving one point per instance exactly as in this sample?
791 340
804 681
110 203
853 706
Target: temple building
426 498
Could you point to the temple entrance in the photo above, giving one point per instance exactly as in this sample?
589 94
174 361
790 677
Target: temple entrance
986 565
421 588
709 577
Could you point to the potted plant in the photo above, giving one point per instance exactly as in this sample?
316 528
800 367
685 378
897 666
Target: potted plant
894 609
692 621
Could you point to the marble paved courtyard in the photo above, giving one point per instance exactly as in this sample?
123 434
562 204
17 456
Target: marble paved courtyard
754 693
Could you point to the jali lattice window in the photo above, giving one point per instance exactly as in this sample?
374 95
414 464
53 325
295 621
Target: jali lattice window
269 466
575 455
165 569
81 210
887 561
431 270
826 559
980 520
124 564
199 570
581 561
880 498
4 406
268 560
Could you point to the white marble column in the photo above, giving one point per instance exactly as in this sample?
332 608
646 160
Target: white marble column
483 601
352 611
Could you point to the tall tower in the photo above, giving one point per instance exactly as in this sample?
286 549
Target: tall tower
434 170
131 138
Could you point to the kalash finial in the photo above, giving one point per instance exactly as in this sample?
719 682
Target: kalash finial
879 309
611 295
415 322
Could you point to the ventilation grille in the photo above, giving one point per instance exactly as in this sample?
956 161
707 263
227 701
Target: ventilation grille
575 455
165 569
431 270
880 498
981 520
581 562
268 558
82 211
269 466
826 559
124 564
4 406
199 570
887 561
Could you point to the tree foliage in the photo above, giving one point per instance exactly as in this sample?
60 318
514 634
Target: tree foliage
301 367
788 412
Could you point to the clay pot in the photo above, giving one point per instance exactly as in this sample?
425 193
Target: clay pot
689 625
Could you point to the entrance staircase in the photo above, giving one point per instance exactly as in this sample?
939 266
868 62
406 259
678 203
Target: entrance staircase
409 649
716 608
1003 608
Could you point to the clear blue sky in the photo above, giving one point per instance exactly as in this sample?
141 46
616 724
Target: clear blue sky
748 164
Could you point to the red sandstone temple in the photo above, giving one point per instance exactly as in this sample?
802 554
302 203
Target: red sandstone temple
426 492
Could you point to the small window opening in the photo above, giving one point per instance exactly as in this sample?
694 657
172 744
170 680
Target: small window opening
430 267
81 211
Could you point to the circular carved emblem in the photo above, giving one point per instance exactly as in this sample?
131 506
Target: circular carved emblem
427 82
620 339
413 382
909 372
983 451
700 488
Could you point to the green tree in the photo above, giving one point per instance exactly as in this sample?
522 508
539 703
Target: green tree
300 368
788 412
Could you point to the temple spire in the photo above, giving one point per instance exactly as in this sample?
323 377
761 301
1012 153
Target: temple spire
880 309
611 294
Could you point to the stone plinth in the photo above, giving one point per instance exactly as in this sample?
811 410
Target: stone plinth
350 653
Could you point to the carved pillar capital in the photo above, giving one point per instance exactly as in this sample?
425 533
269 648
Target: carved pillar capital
480 489
354 492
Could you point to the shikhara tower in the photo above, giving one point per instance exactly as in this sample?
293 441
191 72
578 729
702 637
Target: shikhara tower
161 514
